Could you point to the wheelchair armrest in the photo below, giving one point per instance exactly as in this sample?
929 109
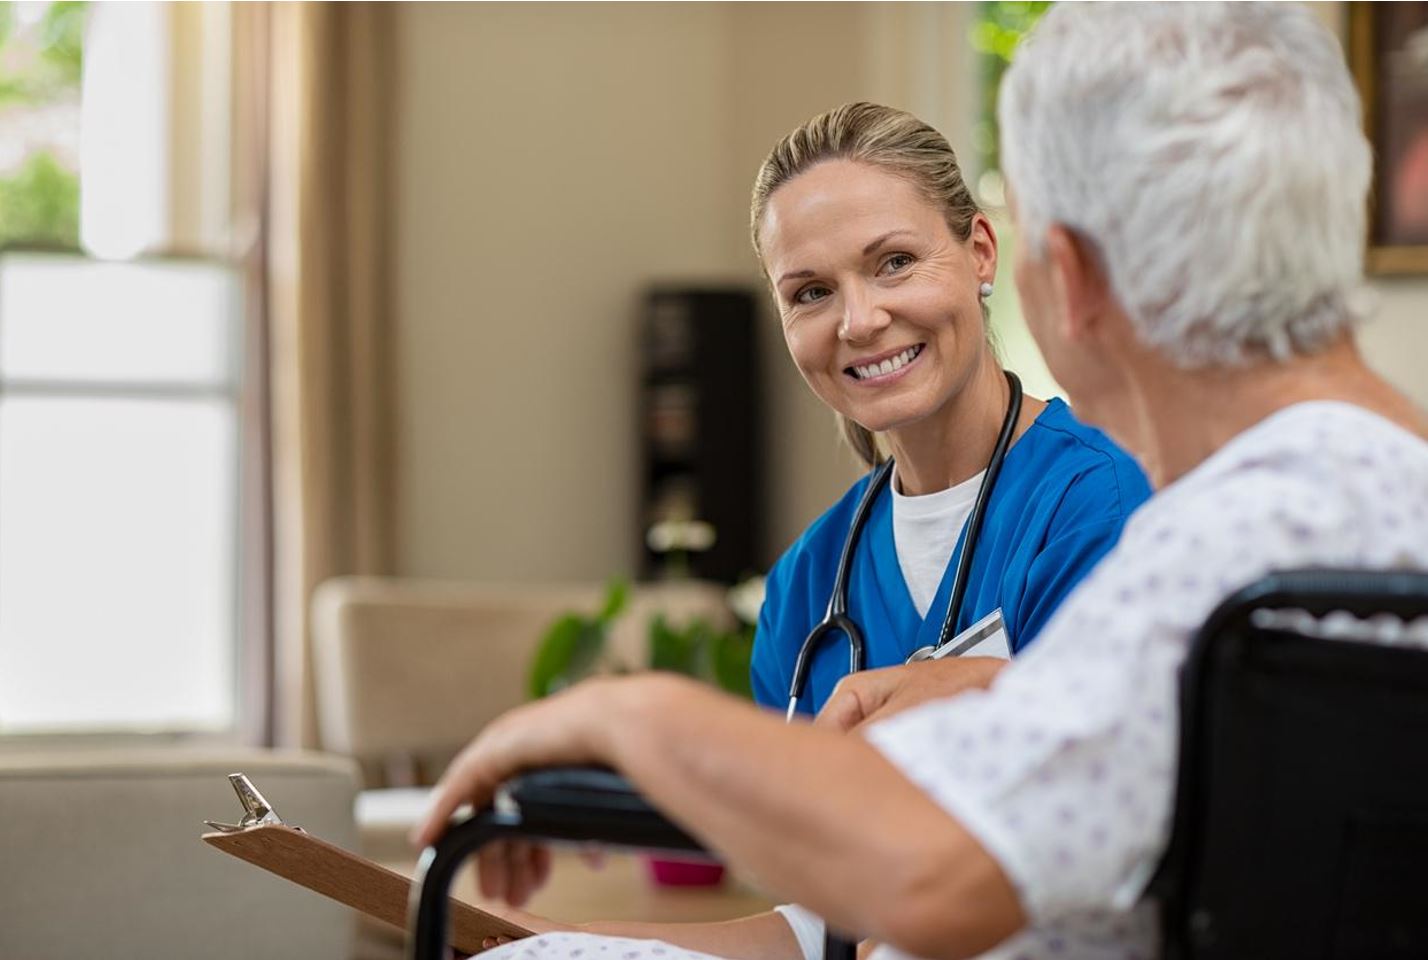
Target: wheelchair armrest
574 804
589 803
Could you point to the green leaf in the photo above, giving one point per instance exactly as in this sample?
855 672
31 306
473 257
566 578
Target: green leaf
62 38
995 34
617 592
673 650
567 653
588 647
732 657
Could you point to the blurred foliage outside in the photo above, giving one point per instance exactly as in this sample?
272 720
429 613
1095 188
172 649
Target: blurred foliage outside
41 65
995 35
997 31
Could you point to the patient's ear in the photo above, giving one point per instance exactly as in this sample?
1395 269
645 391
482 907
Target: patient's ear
1082 285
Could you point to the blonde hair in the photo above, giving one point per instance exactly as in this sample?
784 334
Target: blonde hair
880 136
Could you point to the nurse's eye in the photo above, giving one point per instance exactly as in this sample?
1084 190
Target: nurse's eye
896 262
812 294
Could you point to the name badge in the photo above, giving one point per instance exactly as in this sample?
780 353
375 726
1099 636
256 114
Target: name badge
985 638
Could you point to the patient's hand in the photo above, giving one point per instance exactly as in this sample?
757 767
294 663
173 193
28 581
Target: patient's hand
532 922
874 695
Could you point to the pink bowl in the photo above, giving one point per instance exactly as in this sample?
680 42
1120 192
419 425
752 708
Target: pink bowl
685 873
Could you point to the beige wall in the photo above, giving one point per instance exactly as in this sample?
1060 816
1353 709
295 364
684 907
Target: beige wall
550 160
553 160
1395 340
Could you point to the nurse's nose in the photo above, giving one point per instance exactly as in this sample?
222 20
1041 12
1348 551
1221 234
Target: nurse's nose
863 319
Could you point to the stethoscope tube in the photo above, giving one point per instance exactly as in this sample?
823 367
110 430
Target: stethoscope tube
979 508
836 618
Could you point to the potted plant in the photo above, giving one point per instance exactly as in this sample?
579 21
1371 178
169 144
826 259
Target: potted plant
575 647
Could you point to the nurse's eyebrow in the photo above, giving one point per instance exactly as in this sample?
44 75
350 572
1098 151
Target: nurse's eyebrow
872 247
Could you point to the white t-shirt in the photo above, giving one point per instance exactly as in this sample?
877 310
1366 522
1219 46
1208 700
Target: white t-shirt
925 532
1064 770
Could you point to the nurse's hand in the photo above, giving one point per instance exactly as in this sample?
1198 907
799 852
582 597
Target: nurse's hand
874 695
512 870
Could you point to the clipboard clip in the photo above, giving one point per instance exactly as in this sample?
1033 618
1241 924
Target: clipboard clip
257 812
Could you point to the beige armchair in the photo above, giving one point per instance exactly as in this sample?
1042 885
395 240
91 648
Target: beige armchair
102 858
408 671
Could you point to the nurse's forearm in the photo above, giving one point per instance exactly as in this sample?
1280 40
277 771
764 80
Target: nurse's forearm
819 817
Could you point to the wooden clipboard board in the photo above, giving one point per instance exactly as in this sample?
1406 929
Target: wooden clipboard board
352 880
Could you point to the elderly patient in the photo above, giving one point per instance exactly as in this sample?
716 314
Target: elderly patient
1189 183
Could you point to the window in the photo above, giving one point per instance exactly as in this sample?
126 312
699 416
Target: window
120 387
118 486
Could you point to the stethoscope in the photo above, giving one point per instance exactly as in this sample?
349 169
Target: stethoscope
836 619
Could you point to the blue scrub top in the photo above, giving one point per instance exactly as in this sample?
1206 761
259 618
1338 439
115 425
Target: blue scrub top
1058 506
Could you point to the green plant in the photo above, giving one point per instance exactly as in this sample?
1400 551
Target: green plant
41 67
39 204
996 33
45 61
574 647
696 649
573 644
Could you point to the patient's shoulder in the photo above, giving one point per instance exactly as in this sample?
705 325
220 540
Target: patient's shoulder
1318 487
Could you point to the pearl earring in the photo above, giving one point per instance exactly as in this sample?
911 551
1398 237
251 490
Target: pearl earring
985 290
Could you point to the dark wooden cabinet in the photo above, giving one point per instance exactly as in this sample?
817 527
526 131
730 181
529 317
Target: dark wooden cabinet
701 511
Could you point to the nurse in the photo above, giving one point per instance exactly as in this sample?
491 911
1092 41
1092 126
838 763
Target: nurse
880 263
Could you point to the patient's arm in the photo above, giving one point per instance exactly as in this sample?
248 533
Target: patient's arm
819 817
763 936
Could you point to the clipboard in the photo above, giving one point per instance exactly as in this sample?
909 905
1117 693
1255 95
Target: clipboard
262 839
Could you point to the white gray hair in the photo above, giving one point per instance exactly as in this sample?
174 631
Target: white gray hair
1213 154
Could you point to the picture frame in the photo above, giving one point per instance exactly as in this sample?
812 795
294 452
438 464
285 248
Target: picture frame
1388 55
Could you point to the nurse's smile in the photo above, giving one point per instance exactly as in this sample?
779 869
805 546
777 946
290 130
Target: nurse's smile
884 368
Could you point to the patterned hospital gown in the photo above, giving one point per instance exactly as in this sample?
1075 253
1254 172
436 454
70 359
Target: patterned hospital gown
1064 771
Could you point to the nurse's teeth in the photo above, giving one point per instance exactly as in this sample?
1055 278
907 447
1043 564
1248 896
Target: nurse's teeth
887 366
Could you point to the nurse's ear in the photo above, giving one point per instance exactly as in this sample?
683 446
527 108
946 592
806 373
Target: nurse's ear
982 244
1083 287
